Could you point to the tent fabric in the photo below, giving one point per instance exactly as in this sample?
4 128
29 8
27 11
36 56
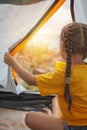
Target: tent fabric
28 101
19 21
80 10
12 119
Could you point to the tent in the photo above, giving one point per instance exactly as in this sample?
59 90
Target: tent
19 22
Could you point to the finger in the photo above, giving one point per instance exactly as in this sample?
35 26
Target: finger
47 111
5 57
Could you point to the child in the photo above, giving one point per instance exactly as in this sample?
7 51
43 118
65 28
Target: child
68 81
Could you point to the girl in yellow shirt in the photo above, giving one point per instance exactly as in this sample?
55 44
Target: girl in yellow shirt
68 81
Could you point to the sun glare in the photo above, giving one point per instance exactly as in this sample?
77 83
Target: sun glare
50 33
44 37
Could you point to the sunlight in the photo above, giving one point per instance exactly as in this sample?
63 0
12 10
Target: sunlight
50 33
43 36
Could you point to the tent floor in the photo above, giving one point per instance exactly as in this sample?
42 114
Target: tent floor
12 120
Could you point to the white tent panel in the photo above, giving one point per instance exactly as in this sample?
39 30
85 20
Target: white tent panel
81 10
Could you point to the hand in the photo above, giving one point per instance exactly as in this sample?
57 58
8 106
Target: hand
8 59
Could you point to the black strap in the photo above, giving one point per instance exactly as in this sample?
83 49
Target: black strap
72 10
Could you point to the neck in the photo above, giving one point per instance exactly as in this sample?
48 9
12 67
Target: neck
77 59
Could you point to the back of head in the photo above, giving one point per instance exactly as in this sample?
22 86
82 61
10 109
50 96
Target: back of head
74 37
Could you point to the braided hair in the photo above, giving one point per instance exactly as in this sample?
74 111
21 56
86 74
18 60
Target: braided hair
74 37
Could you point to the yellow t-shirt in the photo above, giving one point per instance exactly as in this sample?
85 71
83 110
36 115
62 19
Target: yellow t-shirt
54 83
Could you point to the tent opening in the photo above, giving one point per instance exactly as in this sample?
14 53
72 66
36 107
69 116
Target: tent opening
42 51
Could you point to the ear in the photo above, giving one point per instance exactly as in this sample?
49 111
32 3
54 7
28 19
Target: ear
62 47
63 51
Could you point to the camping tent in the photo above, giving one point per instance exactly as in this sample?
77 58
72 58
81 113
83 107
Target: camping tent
19 21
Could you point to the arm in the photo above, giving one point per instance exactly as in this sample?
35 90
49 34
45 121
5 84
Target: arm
23 73
55 108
